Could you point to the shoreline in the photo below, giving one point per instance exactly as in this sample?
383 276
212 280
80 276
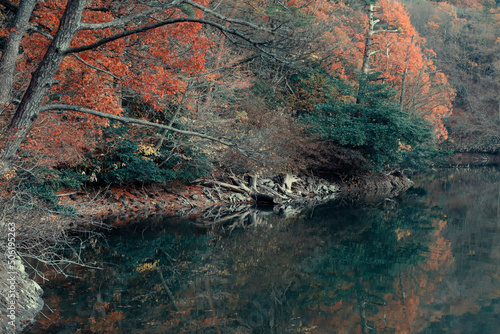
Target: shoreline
117 207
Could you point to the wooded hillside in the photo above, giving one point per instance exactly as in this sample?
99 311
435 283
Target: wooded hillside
108 92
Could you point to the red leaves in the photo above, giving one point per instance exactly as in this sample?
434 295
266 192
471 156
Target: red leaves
399 56
150 65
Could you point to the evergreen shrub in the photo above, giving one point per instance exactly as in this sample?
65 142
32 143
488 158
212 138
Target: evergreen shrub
125 160
370 122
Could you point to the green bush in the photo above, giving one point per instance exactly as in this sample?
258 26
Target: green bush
44 183
125 159
373 124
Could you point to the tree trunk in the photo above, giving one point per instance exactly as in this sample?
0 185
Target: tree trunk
365 67
42 78
372 21
403 80
403 90
11 51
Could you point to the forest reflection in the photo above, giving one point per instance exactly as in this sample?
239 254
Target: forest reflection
423 262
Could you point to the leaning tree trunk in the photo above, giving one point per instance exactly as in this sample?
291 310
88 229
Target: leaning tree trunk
11 51
42 79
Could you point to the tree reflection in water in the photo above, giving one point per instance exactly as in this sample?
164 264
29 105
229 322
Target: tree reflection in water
410 264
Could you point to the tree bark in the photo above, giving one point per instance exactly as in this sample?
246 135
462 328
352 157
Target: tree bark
405 74
11 51
372 21
42 79
365 67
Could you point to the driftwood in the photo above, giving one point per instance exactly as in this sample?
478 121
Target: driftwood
252 181
286 194
274 190
240 183
288 180
224 185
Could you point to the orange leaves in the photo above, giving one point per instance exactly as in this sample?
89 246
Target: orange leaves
433 25
152 65
397 52
410 70
48 14
341 42
4 33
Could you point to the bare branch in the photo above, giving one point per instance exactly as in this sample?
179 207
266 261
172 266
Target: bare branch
389 30
228 19
41 32
50 37
374 52
95 67
123 20
129 120
161 24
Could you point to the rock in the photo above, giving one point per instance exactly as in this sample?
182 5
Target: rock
195 197
28 303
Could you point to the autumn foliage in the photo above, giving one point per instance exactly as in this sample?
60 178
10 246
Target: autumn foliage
188 75
399 55
150 65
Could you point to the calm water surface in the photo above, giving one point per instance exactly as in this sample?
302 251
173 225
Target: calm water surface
425 262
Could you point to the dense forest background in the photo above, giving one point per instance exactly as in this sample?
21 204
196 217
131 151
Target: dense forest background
291 85
134 92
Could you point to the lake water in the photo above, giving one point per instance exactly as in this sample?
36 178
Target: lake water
425 262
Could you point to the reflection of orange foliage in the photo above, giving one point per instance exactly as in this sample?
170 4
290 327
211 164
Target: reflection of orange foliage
107 324
440 251
51 317
403 312
343 318
397 315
